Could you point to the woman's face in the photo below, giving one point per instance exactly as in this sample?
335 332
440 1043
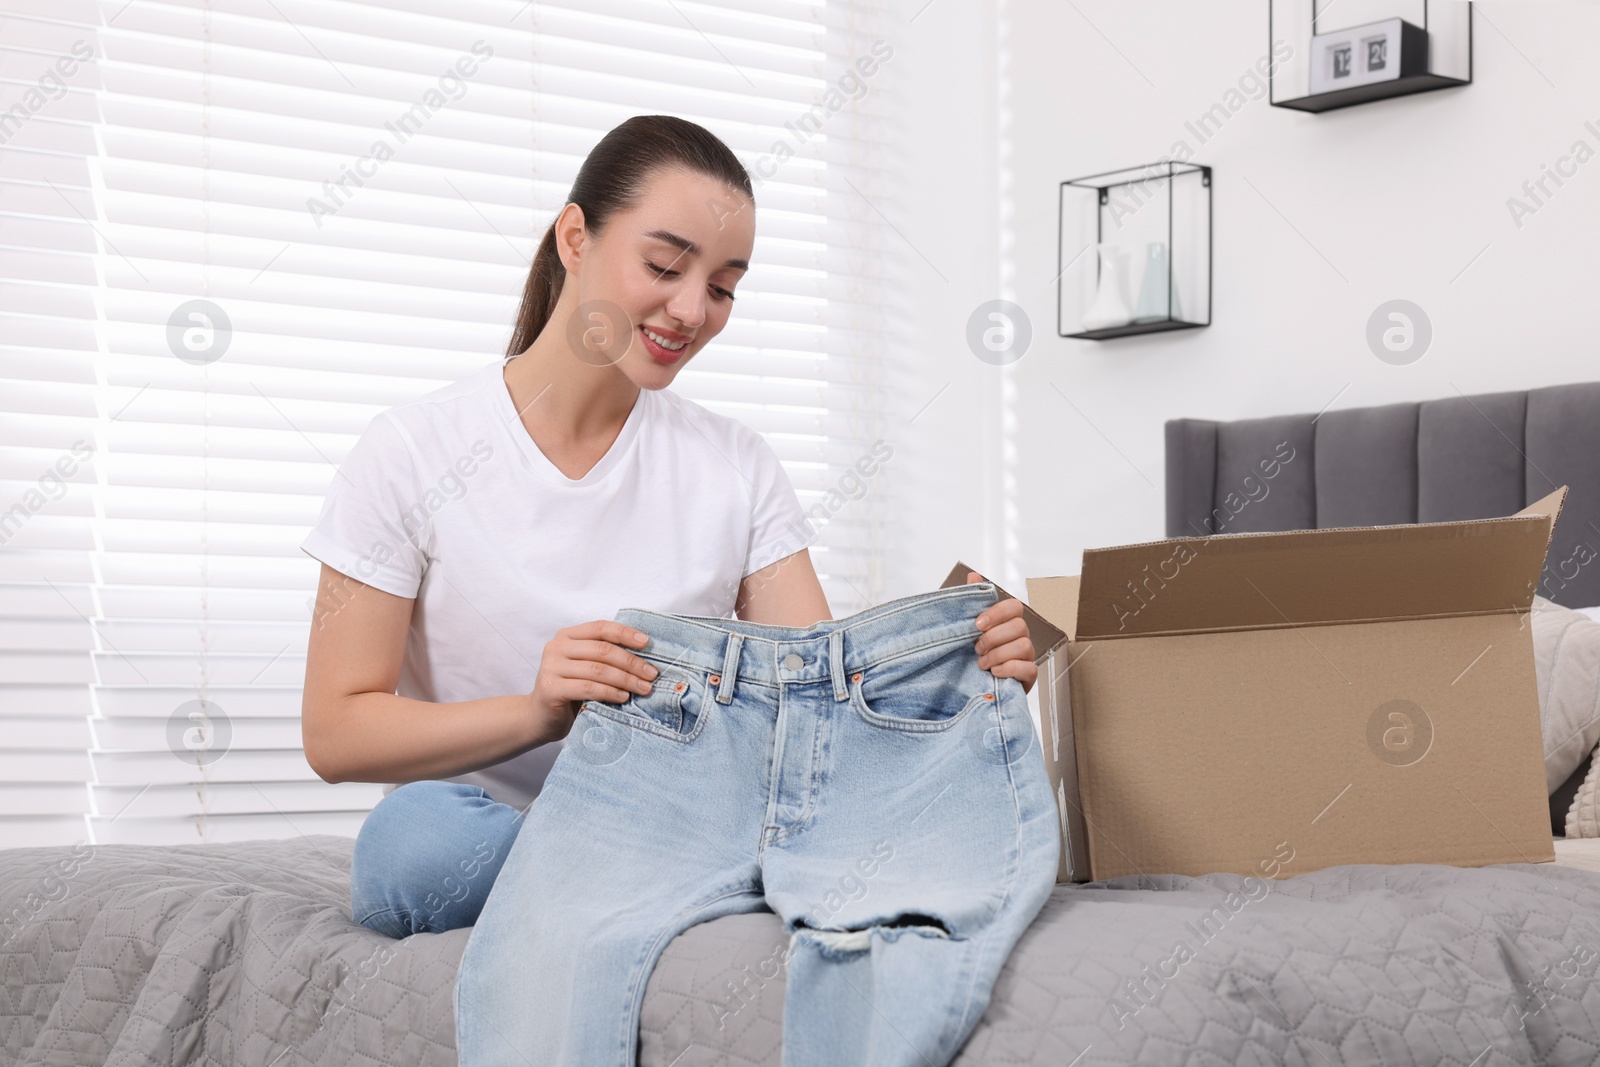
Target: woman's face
669 265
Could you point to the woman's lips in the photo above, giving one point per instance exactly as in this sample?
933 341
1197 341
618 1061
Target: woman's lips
659 354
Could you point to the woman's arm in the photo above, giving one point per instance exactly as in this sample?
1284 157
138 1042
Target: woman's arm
353 726
788 593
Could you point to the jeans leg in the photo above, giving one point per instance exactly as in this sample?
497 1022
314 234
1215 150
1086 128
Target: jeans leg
647 824
427 856
931 849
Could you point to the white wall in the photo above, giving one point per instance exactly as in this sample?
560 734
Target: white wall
1398 196
947 417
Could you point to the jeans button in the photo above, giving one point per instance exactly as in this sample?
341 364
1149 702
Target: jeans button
793 661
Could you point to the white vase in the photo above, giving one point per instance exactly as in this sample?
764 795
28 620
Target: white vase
1110 307
1153 292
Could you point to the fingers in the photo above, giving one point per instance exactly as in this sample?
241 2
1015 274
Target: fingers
591 663
605 656
1020 649
1000 611
1024 671
1005 635
1005 649
614 687
589 679
599 671
607 630
998 633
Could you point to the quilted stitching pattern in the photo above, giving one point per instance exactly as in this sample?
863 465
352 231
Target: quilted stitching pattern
245 954
215 955
1401 965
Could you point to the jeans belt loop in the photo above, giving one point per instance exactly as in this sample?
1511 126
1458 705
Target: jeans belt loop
730 667
836 659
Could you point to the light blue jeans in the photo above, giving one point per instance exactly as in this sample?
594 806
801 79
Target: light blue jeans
426 856
864 778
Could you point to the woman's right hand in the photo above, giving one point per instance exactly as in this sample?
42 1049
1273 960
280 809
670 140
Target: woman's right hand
589 661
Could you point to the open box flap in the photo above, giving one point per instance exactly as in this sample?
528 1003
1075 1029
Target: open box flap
1056 598
1044 634
1308 577
1550 505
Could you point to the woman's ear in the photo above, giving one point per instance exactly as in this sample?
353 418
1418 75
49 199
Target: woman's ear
571 237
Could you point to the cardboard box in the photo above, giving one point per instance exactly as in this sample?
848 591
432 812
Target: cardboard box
1274 703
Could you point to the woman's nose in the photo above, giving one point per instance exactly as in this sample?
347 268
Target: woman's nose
688 310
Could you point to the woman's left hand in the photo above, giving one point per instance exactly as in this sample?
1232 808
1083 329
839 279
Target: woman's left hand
1004 649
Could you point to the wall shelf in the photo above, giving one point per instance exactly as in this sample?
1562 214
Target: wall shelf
1303 26
1134 252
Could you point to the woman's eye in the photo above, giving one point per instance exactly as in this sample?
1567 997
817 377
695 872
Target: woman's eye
663 272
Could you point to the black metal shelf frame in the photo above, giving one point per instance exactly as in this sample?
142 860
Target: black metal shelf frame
1168 170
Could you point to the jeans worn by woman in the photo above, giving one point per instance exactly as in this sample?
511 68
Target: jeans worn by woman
427 856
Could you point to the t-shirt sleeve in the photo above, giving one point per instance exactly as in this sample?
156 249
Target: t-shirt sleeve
371 527
778 525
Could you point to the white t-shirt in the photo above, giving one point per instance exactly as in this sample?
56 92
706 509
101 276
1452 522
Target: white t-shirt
447 499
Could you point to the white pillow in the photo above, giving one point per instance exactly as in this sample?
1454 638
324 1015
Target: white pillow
1593 613
1566 659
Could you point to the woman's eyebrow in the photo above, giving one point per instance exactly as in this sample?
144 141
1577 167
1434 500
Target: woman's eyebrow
686 245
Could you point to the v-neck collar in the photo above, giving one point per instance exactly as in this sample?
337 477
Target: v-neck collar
541 462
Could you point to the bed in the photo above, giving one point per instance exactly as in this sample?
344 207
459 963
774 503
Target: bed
246 954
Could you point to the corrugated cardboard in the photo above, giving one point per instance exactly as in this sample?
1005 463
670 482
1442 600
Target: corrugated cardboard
1274 703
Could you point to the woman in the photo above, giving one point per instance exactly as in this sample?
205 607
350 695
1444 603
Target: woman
468 528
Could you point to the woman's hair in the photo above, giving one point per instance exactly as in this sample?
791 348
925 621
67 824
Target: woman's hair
612 179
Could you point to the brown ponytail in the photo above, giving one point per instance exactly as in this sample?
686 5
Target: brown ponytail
611 179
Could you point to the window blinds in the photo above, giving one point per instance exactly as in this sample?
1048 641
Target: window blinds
245 227
49 305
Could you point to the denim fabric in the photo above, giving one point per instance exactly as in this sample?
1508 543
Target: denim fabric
426 856
864 778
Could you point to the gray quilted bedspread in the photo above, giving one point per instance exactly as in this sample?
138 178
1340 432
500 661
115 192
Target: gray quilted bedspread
246 954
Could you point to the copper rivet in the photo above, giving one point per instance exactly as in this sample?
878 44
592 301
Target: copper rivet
679 687
988 696
855 677
716 679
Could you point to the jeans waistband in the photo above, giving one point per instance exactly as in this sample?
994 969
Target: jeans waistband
771 655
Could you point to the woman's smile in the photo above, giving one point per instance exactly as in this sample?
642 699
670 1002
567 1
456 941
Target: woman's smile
653 344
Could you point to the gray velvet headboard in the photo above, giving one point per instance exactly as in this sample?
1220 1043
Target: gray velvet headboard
1462 457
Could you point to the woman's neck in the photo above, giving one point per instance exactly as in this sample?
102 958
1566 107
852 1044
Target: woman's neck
564 401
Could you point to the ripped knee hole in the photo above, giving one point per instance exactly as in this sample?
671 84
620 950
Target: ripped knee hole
860 939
